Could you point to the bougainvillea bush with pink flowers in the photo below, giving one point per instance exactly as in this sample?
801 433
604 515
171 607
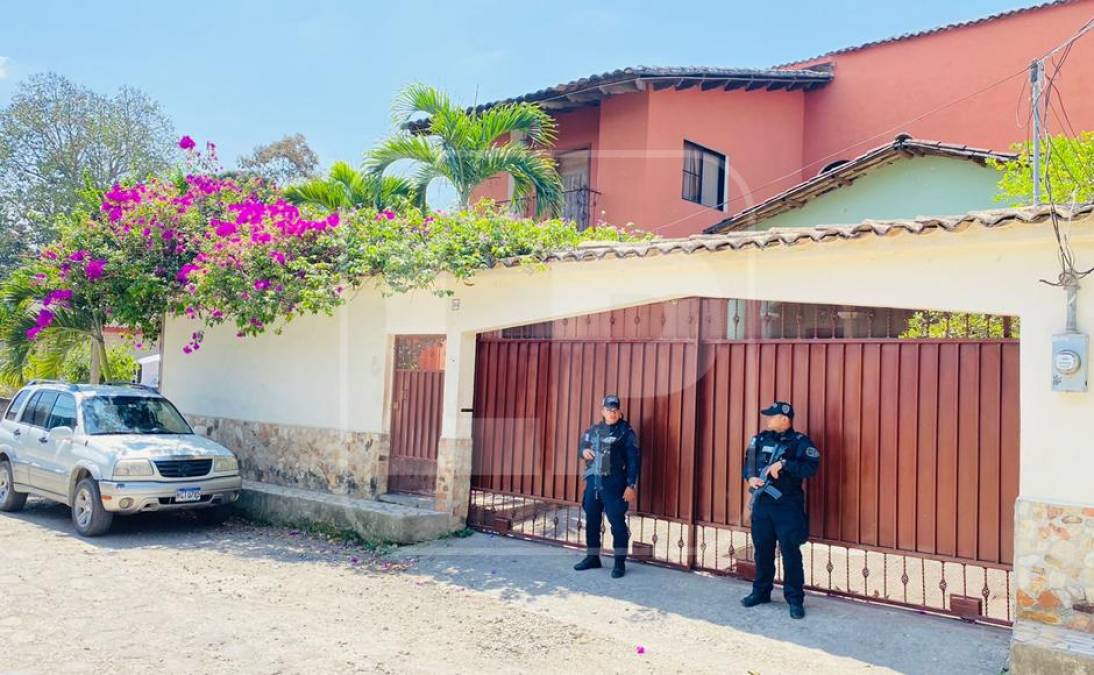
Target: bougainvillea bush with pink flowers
222 249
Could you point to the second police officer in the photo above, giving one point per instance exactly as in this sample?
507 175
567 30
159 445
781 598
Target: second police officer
609 450
778 460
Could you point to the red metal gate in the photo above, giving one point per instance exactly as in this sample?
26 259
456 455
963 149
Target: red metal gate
416 407
915 497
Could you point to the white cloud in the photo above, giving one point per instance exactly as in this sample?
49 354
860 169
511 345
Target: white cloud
4 61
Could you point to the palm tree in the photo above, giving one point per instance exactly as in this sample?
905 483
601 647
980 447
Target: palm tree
466 147
347 188
71 329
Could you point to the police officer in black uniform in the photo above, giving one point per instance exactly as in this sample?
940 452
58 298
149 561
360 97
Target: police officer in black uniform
777 462
609 450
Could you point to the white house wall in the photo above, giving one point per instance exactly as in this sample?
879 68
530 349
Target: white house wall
331 372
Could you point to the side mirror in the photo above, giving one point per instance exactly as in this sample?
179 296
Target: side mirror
60 434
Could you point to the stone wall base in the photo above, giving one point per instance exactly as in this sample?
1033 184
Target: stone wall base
350 463
373 520
1054 588
453 494
1039 649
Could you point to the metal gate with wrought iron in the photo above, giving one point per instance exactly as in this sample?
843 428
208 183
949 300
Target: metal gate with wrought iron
913 505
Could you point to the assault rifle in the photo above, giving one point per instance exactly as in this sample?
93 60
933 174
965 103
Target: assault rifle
772 491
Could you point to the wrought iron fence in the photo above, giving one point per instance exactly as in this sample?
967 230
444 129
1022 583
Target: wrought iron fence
964 589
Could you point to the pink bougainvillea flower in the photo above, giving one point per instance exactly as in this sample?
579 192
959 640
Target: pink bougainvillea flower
186 349
49 254
640 650
262 284
44 319
278 257
94 269
224 228
332 220
78 256
184 273
60 297
187 143
32 333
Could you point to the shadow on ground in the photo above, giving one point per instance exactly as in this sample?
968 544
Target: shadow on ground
182 531
536 574
539 577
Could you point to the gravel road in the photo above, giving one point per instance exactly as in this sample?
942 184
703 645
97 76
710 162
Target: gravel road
161 593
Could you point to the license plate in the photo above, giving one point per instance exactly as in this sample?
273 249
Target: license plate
188 495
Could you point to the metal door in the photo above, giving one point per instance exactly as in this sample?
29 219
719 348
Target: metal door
416 406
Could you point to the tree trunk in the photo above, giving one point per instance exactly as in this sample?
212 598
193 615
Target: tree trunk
96 362
100 366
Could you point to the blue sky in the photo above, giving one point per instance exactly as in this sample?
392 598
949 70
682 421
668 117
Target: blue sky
243 73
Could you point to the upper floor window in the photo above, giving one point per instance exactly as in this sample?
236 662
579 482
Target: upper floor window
704 176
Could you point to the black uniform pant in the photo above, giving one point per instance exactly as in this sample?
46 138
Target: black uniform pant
782 521
608 500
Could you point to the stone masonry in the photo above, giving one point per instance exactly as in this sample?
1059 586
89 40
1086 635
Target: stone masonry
454 478
1054 581
329 460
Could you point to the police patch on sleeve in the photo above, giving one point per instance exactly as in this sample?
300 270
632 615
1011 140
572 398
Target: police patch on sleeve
812 452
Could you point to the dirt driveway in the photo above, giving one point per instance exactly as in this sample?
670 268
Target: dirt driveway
163 594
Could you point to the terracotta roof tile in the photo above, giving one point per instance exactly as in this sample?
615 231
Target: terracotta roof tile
846 173
744 240
930 31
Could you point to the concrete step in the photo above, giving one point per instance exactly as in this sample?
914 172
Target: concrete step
407 499
371 519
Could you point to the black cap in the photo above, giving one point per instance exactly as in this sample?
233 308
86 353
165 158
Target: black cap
779 408
611 401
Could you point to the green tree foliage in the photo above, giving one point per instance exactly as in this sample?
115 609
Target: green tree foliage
283 161
76 365
221 250
941 325
56 139
346 188
466 147
1067 166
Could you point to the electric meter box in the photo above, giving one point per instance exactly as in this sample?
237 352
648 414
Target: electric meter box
1069 354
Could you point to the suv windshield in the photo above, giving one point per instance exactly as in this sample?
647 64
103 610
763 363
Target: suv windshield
132 415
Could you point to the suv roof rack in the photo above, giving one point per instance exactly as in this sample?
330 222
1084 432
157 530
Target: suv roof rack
69 385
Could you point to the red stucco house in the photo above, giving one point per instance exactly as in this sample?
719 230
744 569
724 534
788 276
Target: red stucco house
676 150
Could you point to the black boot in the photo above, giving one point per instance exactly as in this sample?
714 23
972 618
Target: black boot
754 598
589 562
797 611
619 568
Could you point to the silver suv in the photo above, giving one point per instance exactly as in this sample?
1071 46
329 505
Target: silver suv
106 450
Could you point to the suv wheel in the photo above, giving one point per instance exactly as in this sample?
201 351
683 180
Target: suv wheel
88 514
10 500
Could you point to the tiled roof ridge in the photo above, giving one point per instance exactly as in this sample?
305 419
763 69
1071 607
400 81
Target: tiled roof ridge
930 31
851 169
735 241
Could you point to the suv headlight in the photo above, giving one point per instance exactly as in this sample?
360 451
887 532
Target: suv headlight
127 468
222 464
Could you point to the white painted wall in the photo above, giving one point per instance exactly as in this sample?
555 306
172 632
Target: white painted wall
332 372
